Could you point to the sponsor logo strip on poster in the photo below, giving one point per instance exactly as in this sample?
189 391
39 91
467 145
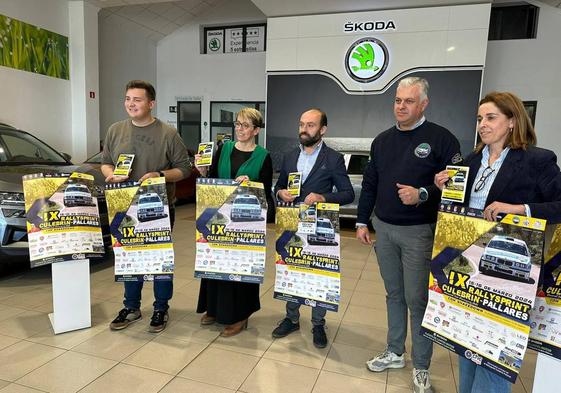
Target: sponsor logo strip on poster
482 286
308 262
205 151
455 188
62 218
231 229
545 317
140 230
124 165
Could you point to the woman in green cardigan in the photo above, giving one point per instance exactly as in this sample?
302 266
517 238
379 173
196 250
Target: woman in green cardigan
227 302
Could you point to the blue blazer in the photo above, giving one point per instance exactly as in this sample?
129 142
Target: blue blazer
329 171
529 177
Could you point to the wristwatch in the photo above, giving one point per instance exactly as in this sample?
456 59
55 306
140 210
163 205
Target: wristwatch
162 174
423 195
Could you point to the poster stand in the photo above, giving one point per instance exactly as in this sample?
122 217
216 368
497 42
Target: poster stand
547 373
71 296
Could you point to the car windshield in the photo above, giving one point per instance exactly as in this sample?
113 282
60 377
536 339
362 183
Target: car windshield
150 199
507 246
247 201
357 164
95 159
76 189
324 224
19 148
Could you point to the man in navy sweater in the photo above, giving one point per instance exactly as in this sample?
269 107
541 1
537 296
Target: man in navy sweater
322 169
398 186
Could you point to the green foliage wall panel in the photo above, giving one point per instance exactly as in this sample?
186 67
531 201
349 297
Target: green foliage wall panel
30 48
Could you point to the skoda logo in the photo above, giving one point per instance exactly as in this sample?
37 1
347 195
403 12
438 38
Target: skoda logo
366 60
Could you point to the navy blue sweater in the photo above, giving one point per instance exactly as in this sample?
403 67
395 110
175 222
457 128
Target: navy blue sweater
410 158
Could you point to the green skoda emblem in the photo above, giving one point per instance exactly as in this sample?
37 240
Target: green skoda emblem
366 60
214 44
423 150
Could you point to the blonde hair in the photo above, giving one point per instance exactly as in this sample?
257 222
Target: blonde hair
522 134
252 115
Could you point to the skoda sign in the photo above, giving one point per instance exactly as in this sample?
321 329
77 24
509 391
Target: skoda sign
366 60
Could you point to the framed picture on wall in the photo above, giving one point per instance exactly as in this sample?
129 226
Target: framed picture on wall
530 107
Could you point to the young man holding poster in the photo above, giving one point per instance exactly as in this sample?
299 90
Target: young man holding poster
321 168
398 186
158 151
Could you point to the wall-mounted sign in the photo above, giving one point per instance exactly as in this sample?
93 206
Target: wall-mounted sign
366 60
255 39
215 41
234 40
369 26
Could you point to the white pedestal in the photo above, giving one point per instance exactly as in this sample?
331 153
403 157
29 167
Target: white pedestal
546 379
71 296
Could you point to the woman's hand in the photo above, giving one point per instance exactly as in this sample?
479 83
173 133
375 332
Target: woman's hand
441 178
203 170
241 178
492 210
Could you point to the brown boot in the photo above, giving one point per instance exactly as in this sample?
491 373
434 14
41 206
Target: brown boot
207 320
236 328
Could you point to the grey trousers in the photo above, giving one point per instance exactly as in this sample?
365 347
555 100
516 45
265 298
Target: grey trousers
404 255
293 313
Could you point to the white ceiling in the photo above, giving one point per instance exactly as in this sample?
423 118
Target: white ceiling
158 18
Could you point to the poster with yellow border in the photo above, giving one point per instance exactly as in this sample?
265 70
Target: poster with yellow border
308 263
139 221
62 218
231 229
482 286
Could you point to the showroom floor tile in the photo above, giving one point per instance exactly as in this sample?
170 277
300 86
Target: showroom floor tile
188 357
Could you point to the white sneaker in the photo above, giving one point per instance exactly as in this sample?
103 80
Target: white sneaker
421 381
385 360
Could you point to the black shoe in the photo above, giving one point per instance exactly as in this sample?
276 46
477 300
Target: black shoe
320 338
285 328
125 317
159 321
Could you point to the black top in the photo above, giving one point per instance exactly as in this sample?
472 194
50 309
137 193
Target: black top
237 158
410 158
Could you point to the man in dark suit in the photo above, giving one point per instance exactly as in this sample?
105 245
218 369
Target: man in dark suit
322 168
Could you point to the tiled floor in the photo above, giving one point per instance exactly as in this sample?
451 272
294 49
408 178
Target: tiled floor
189 358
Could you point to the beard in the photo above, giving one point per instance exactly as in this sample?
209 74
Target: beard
309 140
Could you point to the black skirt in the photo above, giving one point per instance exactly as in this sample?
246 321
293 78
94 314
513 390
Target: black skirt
228 301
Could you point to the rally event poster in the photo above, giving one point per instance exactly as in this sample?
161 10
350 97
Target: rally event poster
308 256
205 151
482 287
545 317
62 218
231 229
124 165
455 188
140 230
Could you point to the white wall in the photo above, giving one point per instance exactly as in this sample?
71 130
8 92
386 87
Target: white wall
33 102
531 69
183 72
124 54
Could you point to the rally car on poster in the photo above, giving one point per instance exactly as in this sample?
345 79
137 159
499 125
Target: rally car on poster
246 207
324 235
150 207
77 195
506 256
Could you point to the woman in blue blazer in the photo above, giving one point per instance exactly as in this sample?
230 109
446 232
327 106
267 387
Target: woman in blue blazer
508 174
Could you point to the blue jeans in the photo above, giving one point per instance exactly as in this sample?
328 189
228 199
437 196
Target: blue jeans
163 290
293 313
404 256
476 379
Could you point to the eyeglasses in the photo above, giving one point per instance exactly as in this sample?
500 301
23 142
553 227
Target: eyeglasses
245 126
481 182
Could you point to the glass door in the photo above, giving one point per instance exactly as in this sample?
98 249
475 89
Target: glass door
223 116
189 123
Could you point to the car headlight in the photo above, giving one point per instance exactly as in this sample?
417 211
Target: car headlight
13 204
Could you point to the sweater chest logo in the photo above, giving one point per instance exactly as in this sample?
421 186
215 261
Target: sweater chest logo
423 150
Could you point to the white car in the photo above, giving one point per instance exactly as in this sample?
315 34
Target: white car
507 256
150 207
77 195
324 235
246 207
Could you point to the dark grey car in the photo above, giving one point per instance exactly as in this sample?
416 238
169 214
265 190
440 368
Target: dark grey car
20 154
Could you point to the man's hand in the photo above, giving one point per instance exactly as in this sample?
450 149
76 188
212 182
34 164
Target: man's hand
492 210
312 198
285 196
363 234
241 178
441 178
115 179
408 195
203 170
148 175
